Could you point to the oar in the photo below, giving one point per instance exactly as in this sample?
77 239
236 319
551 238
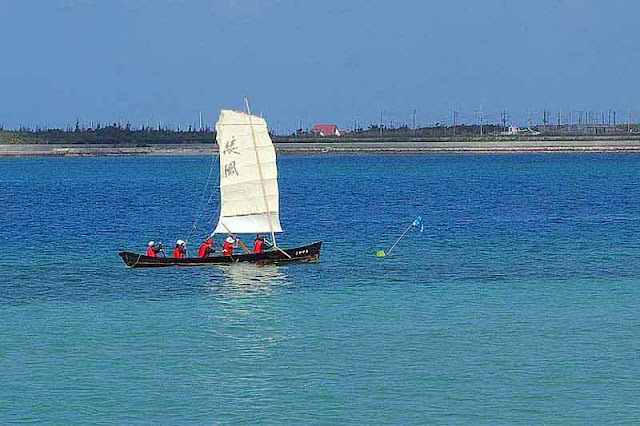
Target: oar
240 243
279 249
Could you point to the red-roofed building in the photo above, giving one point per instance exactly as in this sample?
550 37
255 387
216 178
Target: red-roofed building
326 130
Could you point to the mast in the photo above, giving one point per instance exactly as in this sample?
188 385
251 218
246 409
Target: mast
264 191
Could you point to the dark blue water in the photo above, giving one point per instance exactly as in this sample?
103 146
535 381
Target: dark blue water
518 303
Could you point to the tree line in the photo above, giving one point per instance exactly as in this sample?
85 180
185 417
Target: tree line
124 134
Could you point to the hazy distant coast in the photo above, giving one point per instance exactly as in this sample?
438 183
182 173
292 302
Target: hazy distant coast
382 147
115 139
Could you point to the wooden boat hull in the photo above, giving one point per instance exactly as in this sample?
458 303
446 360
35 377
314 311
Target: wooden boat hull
307 253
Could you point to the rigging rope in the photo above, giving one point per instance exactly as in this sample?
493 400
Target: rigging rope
202 206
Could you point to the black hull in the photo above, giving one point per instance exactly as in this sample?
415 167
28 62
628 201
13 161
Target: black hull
299 254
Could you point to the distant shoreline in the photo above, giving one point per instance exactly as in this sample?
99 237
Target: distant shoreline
386 147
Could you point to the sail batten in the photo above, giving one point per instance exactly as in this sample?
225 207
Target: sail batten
249 197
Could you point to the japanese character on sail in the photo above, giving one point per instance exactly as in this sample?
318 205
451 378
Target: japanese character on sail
230 147
230 169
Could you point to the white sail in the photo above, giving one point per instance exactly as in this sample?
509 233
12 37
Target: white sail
248 175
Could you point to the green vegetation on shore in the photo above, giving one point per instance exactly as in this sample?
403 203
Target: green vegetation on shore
126 136
110 135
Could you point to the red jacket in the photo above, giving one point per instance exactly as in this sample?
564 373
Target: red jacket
179 252
205 249
151 252
227 249
258 246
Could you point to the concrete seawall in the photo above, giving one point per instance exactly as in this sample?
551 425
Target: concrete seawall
530 146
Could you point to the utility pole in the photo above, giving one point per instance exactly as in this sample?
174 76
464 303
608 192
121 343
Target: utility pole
480 113
455 121
503 118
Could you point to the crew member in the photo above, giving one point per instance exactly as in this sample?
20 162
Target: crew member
227 247
152 251
180 250
259 244
206 248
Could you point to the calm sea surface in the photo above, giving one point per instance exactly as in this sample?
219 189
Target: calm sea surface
519 302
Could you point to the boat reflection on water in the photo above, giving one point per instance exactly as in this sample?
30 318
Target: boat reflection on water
243 314
240 279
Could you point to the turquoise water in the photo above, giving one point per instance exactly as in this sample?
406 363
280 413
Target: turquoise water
518 303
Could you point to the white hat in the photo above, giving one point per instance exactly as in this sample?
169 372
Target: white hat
229 240
179 242
151 244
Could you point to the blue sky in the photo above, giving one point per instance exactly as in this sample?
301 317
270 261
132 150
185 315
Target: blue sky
315 61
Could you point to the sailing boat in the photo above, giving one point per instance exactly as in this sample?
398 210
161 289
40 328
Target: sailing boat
249 197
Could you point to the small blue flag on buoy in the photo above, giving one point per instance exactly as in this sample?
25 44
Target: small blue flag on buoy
418 223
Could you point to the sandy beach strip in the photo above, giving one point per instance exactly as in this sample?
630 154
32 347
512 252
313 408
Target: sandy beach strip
529 146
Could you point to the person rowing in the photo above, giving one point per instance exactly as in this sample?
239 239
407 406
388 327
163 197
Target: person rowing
260 243
180 250
153 250
228 246
206 248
